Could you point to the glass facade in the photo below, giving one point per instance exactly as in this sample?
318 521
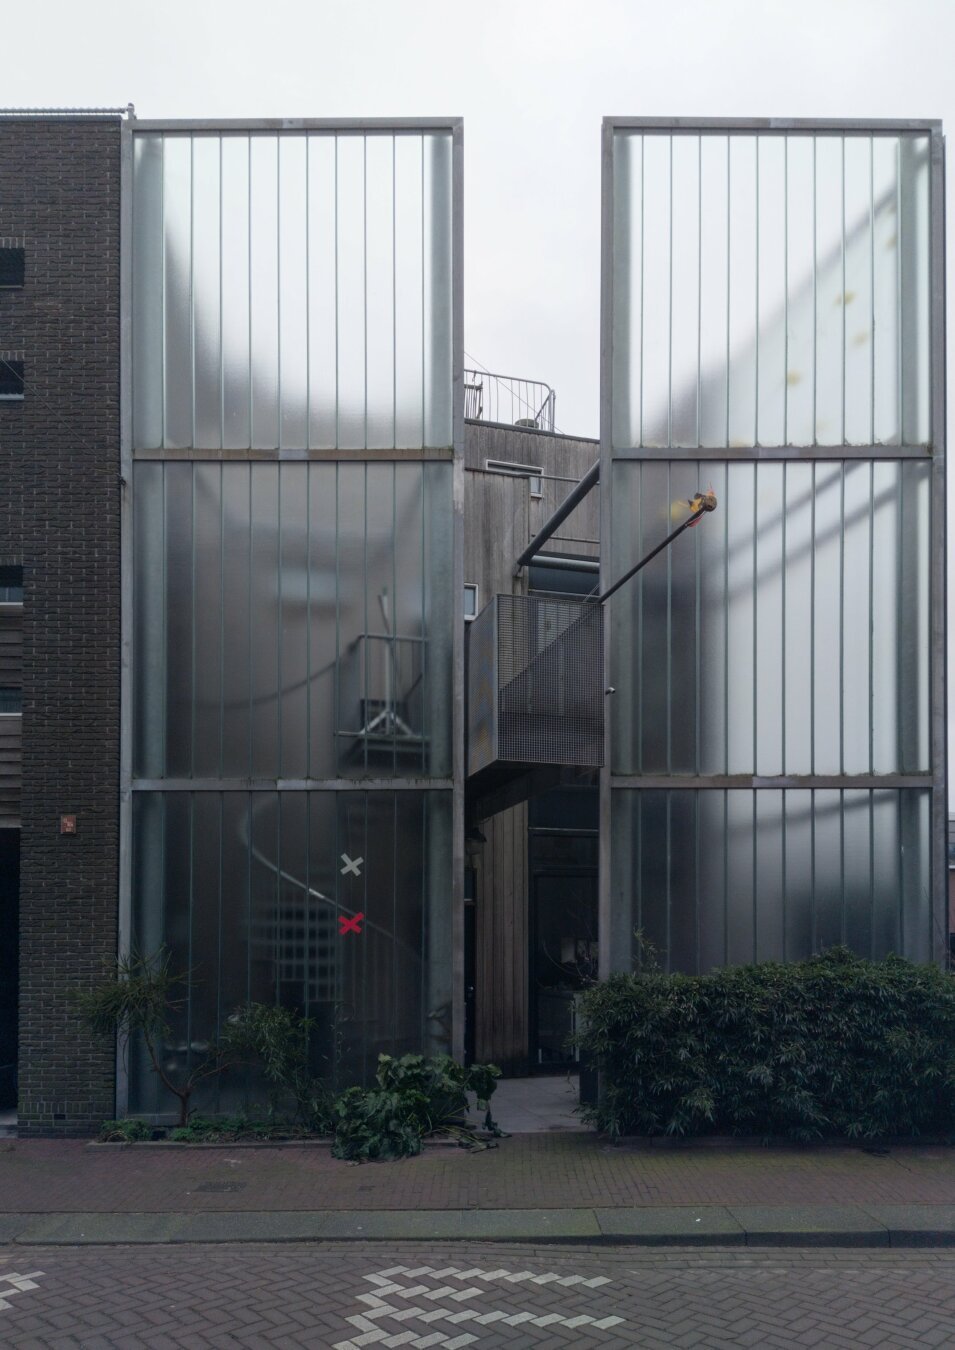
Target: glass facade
292 290
292 617
774 334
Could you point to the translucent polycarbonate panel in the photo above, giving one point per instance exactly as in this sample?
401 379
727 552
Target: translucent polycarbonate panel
292 620
786 633
292 290
334 904
770 289
714 877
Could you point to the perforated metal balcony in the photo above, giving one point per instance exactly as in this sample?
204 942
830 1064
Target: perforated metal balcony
535 689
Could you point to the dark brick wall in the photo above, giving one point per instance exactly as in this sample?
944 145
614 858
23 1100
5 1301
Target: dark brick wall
59 517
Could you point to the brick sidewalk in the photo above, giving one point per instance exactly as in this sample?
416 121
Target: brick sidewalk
540 1171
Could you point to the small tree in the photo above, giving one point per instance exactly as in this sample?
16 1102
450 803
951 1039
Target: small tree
138 998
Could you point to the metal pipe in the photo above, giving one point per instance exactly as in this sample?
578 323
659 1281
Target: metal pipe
707 502
576 495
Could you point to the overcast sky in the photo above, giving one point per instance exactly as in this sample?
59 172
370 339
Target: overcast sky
532 79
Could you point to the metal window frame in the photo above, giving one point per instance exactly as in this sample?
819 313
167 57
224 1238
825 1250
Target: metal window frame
511 469
277 126
610 957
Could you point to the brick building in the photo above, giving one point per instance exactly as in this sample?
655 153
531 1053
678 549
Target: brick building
252 499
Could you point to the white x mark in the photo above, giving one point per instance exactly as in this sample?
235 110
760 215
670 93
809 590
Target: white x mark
350 866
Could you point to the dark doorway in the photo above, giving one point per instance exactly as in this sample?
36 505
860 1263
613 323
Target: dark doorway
9 964
563 958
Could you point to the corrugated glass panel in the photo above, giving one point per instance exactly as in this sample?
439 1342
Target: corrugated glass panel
292 290
713 877
786 633
770 290
249 892
293 620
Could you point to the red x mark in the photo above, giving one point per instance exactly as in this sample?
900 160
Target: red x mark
346 925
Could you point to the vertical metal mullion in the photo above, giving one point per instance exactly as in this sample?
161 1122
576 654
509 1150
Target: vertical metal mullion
872 290
842 143
221 313
338 414
784 891
755 613
726 877
699 290
425 682
248 257
192 637
218 1079
162 307
756 322
278 300
308 305
698 858
842 865
842 617
277 932
364 588
726 625
872 951
394 921
785 302
394 292
393 643
870 628
670 329
698 662
190 985
364 281
337 697
900 254
308 619
812 869
755 837
643 275
192 287
249 630
307 916
815 306
164 687
729 226
812 625
280 625
424 362
669 639
669 890
220 758
640 700
783 626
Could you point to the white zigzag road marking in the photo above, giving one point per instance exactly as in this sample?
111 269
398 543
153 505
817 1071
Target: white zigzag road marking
377 1306
18 1284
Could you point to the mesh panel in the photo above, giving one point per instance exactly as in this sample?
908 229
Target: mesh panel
550 681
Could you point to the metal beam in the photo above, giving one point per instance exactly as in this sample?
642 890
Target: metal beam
572 500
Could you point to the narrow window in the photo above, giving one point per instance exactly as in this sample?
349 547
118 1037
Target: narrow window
12 267
11 700
11 378
11 585
470 600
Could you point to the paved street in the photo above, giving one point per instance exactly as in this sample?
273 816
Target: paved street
345 1296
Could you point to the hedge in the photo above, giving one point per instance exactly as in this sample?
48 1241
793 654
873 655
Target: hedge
835 1046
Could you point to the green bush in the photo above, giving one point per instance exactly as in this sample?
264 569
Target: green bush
833 1046
277 1040
125 1131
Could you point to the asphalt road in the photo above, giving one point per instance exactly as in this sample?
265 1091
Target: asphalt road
348 1295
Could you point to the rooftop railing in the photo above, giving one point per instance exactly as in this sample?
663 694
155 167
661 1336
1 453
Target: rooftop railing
509 400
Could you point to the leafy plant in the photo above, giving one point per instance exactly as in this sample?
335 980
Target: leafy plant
137 999
414 1097
833 1046
125 1131
278 1040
